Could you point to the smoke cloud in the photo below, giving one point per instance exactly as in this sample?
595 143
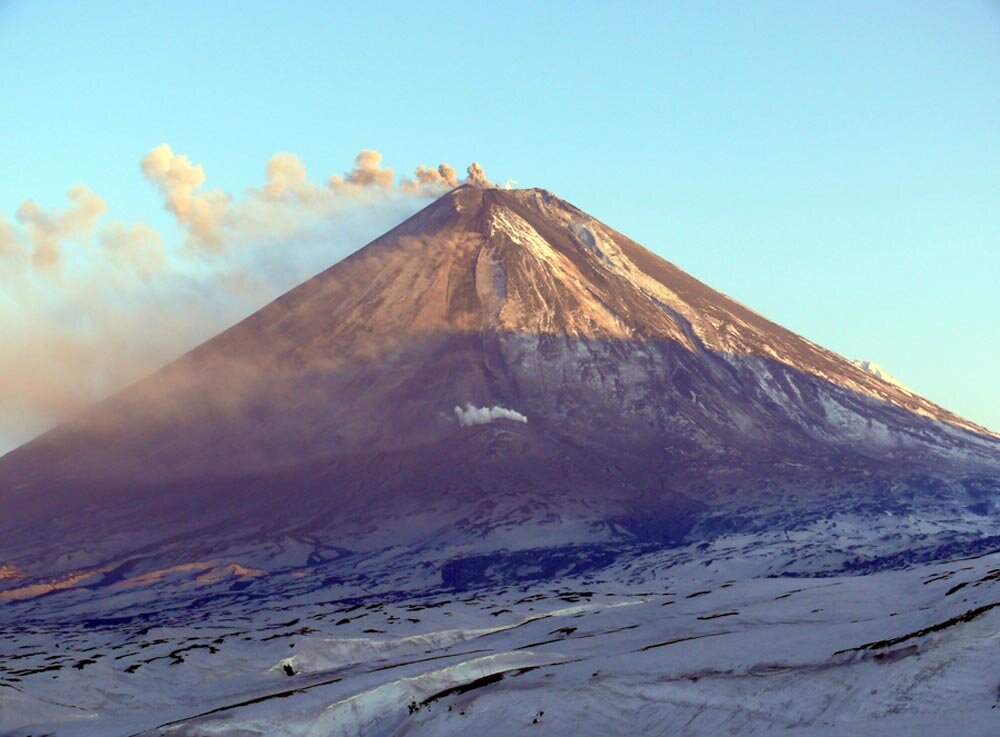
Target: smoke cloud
472 415
200 213
47 231
137 248
367 172
213 220
9 246
88 305
477 177
286 178
430 181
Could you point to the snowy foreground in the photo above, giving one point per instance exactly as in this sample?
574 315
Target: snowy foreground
650 645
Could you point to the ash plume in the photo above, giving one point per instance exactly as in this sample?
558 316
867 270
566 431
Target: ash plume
180 182
431 181
477 177
90 304
367 172
47 230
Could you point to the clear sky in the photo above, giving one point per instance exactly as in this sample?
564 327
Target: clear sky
833 165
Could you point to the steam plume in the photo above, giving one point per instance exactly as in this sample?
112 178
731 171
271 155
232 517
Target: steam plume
472 415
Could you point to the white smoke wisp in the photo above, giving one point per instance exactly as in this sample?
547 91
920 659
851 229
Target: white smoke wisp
471 415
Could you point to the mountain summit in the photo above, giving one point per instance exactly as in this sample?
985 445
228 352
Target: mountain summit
500 370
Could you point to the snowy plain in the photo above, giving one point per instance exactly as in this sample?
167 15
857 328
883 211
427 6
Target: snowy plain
690 641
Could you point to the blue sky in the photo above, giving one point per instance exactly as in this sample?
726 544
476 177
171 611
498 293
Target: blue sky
833 165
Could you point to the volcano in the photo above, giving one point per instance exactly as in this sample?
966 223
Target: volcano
502 470
500 371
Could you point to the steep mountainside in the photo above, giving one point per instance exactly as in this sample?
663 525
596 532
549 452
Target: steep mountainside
499 367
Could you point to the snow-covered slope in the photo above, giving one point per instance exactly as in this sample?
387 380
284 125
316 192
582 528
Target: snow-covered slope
646 643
